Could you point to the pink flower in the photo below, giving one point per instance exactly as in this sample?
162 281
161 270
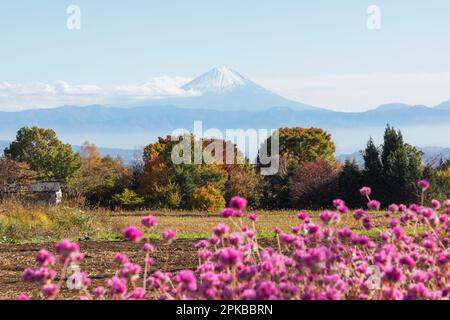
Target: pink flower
187 280
338 202
220 230
149 221
238 203
393 208
329 217
169 235
148 247
447 203
374 205
423 184
117 285
365 191
137 294
66 249
229 256
50 290
120 258
99 292
23 297
227 212
45 258
133 233
303 216
435 204
253 217
359 214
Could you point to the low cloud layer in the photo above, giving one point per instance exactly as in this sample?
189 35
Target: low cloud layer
15 97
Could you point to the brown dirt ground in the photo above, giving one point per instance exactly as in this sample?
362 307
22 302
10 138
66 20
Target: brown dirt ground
98 262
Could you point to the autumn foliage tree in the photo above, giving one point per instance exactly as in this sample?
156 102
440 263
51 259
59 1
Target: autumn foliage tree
297 146
314 185
100 178
14 176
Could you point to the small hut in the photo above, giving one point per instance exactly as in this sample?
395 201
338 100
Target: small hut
48 192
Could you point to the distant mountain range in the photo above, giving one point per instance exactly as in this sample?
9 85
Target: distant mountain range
226 100
432 155
128 155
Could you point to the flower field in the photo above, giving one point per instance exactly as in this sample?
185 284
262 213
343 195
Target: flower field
407 259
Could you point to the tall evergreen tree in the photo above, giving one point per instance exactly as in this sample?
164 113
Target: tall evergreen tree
350 181
373 168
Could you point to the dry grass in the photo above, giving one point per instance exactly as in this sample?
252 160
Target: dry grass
26 223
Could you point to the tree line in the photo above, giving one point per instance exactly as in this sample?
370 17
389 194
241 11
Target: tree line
309 175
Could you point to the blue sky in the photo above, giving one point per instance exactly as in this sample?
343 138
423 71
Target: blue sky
318 52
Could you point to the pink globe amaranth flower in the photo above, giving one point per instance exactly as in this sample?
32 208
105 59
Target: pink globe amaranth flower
277 230
394 223
249 294
253 217
214 240
50 290
338 202
238 203
328 216
407 261
313 228
343 209
367 223
227 212
303 216
394 275
436 204
287 238
133 233
130 270
29 275
202 244
187 280
45 258
220 230
393 208
447 203
359 214
169 235
365 191
23 297
149 221
229 256
117 285
66 249
120 258
374 205
99 292
148 247
137 294
423 184
266 290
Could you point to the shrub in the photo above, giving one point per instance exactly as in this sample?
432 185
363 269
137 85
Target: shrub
207 198
128 199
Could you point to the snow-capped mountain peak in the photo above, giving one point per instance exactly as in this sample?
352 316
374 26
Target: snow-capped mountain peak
216 80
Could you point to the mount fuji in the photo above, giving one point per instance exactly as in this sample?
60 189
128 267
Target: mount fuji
224 89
